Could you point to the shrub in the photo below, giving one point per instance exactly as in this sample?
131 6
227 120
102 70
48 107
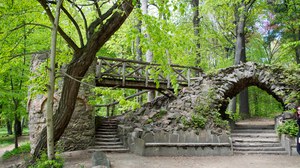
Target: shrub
23 149
289 127
43 162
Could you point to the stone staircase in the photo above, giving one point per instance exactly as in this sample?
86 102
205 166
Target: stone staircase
106 137
256 139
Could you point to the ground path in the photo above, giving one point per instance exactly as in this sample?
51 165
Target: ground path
126 160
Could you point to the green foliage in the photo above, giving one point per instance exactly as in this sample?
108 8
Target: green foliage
198 121
289 127
160 114
21 150
5 139
43 162
233 116
262 104
109 95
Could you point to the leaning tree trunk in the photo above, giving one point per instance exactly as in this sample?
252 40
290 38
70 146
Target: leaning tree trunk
82 59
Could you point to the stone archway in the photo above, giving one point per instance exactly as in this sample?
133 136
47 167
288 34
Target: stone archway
230 81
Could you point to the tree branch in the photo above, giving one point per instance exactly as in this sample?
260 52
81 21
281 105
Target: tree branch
99 20
82 14
61 32
75 24
97 8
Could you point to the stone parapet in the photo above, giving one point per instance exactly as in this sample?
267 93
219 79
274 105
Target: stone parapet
182 143
289 143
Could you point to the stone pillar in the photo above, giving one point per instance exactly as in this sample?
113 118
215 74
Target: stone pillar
81 130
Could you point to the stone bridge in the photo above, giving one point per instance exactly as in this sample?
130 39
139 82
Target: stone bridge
194 122
210 94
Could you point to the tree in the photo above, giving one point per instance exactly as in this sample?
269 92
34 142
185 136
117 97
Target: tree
97 33
51 86
287 25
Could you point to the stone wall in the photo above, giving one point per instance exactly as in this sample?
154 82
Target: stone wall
81 130
181 143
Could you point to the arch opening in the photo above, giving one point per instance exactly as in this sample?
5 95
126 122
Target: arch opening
262 89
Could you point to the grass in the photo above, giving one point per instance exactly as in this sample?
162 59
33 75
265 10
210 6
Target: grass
5 139
20 151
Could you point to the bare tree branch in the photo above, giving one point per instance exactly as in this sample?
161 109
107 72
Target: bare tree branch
31 24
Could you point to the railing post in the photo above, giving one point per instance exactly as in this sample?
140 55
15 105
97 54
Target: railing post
107 111
98 69
146 77
189 77
168 81
123 74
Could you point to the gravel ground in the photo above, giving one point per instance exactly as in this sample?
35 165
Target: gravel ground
127 160
80 159
239 161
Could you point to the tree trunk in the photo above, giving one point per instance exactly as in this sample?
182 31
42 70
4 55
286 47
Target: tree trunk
82 59
232 105
51 86
240 57
244 104
149 54
16 131
139 49
18 127
9 127
196 22
298 48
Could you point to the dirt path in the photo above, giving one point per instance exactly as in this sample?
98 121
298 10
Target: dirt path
21 140
239 161
79 159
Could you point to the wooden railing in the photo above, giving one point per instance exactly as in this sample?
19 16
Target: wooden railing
114 72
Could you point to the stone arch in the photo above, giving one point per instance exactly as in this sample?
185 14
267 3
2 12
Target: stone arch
231 81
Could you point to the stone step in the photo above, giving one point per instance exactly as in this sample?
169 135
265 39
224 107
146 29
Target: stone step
106 133
255 135
106 136
106 130
258 149
113 150
256 140
254 131
244 126
260 153
238 144
107 139
108 143
108 124
109 147
108 127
